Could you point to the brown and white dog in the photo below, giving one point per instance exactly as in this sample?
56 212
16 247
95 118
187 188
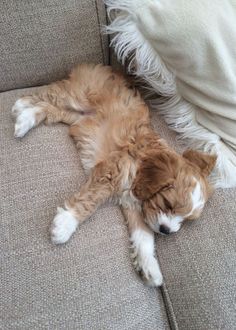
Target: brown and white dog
126 161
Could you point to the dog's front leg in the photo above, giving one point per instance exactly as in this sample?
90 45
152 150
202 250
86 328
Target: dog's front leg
80 207
143 248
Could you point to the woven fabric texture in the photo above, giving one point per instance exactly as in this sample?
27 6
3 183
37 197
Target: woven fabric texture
42 40
88 283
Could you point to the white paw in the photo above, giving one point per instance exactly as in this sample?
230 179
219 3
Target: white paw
63 226
152 272
149 269
143 257
25 114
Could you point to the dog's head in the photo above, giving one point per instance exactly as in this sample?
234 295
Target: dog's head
172 188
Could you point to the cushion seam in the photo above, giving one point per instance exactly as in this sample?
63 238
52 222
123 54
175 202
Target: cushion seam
169 308
100 36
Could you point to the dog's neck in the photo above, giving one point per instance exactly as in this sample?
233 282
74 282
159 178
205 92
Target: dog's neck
138 145
131 154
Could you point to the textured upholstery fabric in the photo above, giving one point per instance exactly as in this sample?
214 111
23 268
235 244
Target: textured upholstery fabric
42 40
89 283
199 262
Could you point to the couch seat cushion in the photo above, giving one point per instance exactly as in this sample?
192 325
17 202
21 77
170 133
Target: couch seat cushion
88 283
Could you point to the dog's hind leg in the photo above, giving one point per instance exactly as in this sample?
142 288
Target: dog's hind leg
55 103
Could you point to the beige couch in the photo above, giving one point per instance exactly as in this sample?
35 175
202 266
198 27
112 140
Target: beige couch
90 283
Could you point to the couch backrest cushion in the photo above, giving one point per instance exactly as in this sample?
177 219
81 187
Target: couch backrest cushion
42 40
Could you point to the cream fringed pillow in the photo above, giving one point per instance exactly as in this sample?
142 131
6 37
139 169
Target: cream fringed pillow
186 51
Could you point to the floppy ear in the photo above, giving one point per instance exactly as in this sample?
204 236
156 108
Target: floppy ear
204 161
152 176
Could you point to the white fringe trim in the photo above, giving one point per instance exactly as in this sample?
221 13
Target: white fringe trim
129 42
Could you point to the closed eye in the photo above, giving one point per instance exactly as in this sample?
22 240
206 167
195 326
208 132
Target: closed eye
166 201
167 204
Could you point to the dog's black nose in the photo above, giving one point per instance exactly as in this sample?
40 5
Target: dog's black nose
164 230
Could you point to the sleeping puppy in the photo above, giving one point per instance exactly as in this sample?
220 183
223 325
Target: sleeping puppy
126 161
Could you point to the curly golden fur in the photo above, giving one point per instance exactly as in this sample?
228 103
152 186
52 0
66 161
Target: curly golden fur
126 161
